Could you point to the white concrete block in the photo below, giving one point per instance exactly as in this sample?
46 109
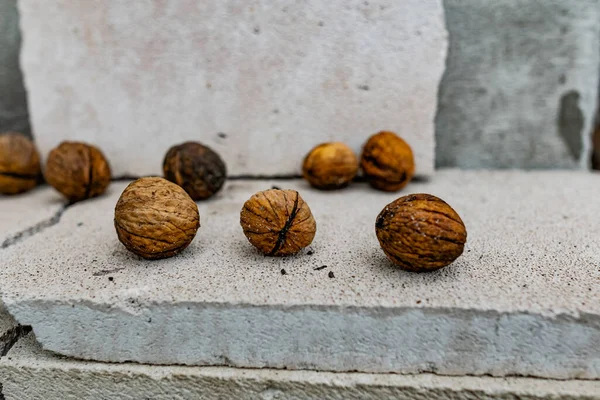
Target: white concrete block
260 82
29 373
524 299
23 215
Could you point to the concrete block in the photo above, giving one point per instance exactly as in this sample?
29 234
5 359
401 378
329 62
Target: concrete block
26 214
596 148
524 299
521 83
13 98
62 379
251 77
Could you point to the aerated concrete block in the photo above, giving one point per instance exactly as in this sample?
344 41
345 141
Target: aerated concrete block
260 82
524 298
29 373
28 213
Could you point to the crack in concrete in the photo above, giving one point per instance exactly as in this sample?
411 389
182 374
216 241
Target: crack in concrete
12 336
32 230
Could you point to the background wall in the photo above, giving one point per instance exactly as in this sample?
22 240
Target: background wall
521 84
519 90
13 99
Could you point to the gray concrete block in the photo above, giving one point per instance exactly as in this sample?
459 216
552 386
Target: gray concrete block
13 97
520 87
138 77
29 373
523 299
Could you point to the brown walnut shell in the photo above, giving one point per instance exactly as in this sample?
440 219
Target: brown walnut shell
278 222
330 166
77 170
155 218
198 169
387 162
19 164
420 232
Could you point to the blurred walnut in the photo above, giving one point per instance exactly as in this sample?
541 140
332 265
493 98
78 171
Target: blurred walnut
196 168
19 164
387 162
278 222
420 232
155 218
77 170
330 166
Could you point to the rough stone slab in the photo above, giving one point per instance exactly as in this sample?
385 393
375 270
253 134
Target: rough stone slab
521 83
60 378
147 75
523 299
13 98
25 214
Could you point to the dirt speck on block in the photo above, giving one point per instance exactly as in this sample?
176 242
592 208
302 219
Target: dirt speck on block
283 271
331 275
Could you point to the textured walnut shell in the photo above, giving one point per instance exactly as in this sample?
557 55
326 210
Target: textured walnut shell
420 232
155 218
387 162
278 222
196 168
330 166
19 164
77 170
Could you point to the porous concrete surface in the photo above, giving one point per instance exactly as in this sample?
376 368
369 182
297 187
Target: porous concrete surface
26 214
13 97
22 216
523 299
251 77
62 379
521 83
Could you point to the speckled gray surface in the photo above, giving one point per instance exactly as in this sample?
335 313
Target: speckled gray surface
532 250
23 215
532 246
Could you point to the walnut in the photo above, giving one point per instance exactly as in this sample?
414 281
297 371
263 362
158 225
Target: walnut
77 170
278 222
196 168
19 164
330 166
387 162
420 232
155 218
